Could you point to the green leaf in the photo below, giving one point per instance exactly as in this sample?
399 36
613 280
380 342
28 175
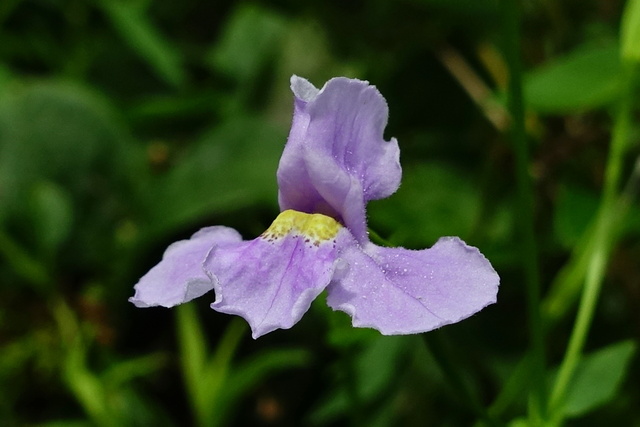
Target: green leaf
575 209
463 7
31 271
5 78
134 26
66 423
205 376
306 51
193 354
254 370
57 132
235 382
68 135
132 409
632 220
251 37
519 422
85 385
120 373
375 370
630 31
446 197
232 166
598 378
52 211
589 77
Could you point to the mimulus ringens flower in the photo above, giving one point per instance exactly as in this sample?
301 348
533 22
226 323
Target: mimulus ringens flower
334 162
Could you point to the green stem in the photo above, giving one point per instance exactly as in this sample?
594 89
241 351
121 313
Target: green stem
569 278
377 239
589 299
566 287
204 374
87 387
511 19
604 231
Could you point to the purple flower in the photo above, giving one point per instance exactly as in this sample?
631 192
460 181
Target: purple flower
335 161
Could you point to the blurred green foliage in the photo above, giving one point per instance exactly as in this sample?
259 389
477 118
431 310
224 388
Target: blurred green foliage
126 125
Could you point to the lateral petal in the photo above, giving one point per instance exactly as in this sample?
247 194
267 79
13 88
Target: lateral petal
179 277
401 291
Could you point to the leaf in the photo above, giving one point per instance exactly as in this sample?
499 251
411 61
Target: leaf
375 370
133 24
134 409
446 197
575 209
120 373
5 78
214 384
630 31
251 37
57 132
204 376
68 135
589 77
235 382
251 372
463 7
52 211
598 378
232 166
306 51
85 385
66 423
519 422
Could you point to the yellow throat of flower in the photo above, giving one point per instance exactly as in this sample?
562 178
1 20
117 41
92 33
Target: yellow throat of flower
315 228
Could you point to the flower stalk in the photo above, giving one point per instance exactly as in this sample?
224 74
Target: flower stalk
608 220
528 250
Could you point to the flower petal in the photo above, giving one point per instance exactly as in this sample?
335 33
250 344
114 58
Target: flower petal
179 277
400 291
272 280
336 158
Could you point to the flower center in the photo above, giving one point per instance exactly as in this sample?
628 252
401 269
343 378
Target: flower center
314 227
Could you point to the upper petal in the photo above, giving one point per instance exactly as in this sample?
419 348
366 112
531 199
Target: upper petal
400 291
336 158
272 280
179 277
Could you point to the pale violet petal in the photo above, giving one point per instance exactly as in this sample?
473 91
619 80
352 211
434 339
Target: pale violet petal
336 158
303 89
272 280
179 277
400 291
